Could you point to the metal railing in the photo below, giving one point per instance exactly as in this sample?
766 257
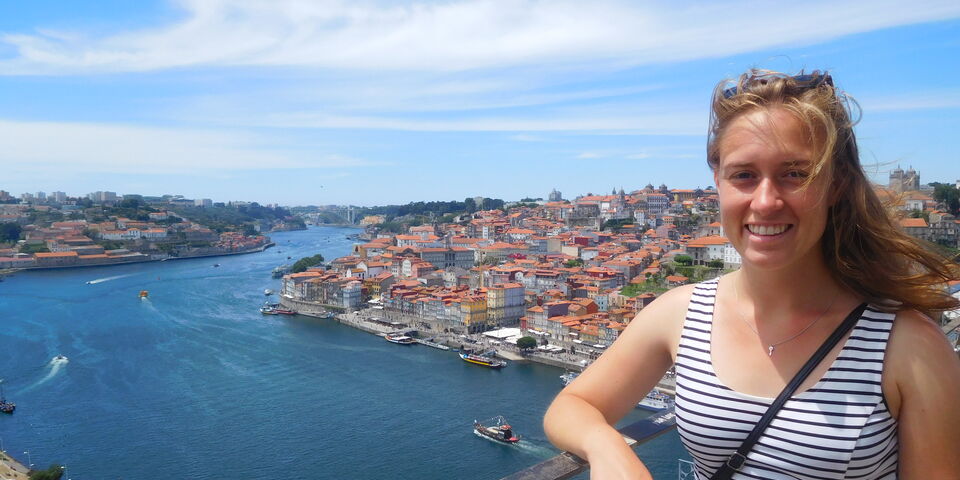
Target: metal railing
566 465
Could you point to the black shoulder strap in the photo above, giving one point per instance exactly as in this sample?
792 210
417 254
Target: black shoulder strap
736 461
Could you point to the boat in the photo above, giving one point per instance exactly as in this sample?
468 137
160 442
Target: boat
216 264
497 429
656 401
284 311
280 271
269 308
482 360
60 358
268 292
5 406
399 339
144 294
568 377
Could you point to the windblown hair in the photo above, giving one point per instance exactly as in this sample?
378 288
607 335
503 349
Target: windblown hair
863 244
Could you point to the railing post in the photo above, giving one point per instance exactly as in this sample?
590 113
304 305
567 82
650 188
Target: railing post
566 465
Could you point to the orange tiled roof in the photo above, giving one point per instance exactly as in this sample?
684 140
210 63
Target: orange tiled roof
912 222
708 240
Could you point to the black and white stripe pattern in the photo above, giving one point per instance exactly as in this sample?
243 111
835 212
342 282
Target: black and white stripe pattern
838 429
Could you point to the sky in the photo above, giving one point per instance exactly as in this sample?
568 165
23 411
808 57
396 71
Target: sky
387 102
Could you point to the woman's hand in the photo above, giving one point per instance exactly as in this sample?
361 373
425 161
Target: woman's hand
611 458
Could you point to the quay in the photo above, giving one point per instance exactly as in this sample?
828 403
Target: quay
12 469
380 322
137 258
432 344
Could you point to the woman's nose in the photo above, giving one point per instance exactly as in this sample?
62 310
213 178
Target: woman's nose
767 197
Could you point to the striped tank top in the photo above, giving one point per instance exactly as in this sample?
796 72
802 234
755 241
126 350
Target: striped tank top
839 428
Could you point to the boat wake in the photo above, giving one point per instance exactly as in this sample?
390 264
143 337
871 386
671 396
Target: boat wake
535 449
525 446
107 279
55 365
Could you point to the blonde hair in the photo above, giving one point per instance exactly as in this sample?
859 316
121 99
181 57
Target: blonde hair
863 244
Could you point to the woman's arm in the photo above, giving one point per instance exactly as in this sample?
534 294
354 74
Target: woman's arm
581 417
926 401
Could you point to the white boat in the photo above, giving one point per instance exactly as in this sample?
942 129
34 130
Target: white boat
268 292
400 339
656 401
568 377
60 358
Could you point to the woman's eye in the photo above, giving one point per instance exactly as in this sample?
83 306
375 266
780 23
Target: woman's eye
741 176
797 174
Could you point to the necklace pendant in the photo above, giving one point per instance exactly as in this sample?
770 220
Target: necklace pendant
770 351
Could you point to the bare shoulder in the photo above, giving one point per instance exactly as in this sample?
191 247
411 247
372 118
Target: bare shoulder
919 360
917 338
921 392
662 320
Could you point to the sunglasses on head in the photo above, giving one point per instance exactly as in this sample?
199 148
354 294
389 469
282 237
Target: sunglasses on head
802 82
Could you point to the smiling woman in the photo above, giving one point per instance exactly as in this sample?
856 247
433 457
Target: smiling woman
818 359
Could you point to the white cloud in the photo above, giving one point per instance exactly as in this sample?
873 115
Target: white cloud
85 148
457 35
580 119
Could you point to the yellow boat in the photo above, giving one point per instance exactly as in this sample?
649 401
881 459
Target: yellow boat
143 294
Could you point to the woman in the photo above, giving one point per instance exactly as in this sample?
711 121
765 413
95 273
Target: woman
815 243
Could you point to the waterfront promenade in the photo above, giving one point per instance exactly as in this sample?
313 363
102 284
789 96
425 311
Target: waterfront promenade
380 322
11 469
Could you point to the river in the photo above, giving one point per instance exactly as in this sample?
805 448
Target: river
194 382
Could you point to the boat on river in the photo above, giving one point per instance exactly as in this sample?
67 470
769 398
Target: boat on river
5 406
656 401
482 360
399 339
568 377
280 271
268 292
497 429
269 308
144 294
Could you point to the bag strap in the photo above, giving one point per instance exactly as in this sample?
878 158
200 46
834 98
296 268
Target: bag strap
736 461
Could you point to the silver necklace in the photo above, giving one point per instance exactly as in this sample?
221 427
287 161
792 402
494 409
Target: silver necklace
772 346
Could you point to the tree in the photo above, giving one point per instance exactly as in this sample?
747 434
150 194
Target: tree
304 263
683 260
574 262
948 195
9 232
526 343
53 472
715 263
34 248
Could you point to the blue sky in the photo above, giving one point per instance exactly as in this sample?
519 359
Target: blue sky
367 102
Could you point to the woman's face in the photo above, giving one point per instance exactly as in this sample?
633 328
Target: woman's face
769 217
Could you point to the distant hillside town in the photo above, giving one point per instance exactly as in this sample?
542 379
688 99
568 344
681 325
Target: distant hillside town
102 228
570 272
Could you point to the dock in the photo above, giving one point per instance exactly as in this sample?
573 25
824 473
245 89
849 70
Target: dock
11 468
432 344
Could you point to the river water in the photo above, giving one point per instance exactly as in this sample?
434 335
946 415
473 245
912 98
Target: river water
195 383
